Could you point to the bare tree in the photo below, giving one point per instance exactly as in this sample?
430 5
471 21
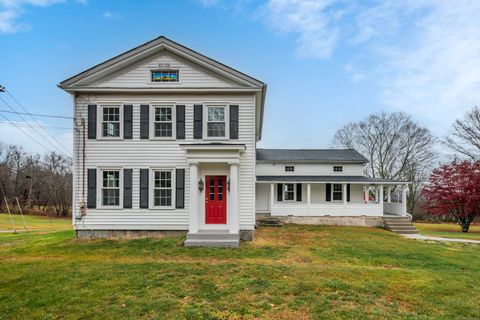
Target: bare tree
396 147
465 136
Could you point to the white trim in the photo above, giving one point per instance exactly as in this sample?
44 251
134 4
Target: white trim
100 171
151 120
151 189
101 106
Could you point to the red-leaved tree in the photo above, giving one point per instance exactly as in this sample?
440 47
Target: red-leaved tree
454 189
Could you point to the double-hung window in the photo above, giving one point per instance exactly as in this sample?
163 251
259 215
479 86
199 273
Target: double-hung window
216 120
289 192
163 121
162 188
110 121
337 192
110 188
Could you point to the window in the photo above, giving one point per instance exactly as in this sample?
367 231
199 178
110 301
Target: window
216 122
165 76
289 168
337 192
289 192
111 121
110 188
162 188
337 168
163 122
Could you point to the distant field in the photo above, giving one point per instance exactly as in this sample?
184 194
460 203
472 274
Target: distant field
448 230
292 272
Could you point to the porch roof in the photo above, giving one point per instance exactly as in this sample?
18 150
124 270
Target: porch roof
329 179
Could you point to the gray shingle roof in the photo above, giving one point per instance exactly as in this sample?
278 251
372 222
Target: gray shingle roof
311 155
328 179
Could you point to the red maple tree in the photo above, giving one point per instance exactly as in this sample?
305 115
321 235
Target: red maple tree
454 189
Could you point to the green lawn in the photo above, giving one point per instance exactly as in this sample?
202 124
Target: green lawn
294 272
448 230
35 223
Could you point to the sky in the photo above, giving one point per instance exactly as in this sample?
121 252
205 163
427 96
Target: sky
326 62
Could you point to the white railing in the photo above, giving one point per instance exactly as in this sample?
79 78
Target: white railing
396 208
324 209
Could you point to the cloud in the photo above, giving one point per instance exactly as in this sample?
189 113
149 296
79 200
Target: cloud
10 10
423 55
112 15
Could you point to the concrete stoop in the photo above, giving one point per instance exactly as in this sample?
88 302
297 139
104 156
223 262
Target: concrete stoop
399 224
213 238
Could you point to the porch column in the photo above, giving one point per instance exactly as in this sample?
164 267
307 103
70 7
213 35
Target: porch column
389 194
193 222
344 195
272 197
404 199
309 193
234 225
381 196
365 194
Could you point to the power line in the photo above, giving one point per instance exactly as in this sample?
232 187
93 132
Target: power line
28 126
38 114
37 131
35 119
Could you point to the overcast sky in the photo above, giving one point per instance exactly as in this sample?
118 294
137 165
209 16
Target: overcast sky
326 62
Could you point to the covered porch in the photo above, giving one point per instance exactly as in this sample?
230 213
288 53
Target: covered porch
340 196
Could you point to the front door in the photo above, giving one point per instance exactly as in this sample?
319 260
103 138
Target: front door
215 200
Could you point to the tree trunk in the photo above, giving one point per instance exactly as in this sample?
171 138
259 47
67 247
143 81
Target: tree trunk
464 222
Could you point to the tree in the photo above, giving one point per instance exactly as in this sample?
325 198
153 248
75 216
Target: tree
465 136
396 147
455 189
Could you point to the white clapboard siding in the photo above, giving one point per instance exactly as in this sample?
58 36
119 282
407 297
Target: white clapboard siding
269 168
138 75
139 153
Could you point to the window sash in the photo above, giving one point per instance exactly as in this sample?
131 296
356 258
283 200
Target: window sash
110 188
162 188
216 121
110 121
163 122
337 192
289 192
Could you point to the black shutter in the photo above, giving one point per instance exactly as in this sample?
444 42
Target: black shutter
144 121
180 122
197 121
180 188
279 192
143 188
92 121
127 188
348 192
328 192
299 192
92 188
127 121
234 122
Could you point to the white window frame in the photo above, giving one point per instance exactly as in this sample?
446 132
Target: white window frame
290 166
152 188
226 107
100 187
294 192
100 120
333 191
337 167
151 120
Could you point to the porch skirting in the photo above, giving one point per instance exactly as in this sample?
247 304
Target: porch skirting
246 235
358 221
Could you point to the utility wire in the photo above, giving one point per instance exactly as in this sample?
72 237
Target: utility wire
28 126
38 114
38 122
37 131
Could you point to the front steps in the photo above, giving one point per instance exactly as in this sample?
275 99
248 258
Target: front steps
213 238
399 224
267 221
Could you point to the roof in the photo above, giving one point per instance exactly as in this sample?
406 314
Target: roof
311 155
329 179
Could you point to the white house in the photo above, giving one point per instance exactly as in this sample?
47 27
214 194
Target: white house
165 141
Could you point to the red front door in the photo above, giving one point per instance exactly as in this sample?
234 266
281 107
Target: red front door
215 200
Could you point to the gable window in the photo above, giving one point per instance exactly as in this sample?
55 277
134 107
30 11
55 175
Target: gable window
163 122
110 121
337 168
162 188
337 192
289 192
289 168
165 76
110 188
216 121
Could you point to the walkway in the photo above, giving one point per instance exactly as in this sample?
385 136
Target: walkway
421 237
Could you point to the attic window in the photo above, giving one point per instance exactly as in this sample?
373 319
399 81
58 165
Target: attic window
165 76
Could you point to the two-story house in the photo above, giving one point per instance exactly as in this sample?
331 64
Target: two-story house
165 141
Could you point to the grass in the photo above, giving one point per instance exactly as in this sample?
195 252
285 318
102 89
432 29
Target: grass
448 230
294 272
34 223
